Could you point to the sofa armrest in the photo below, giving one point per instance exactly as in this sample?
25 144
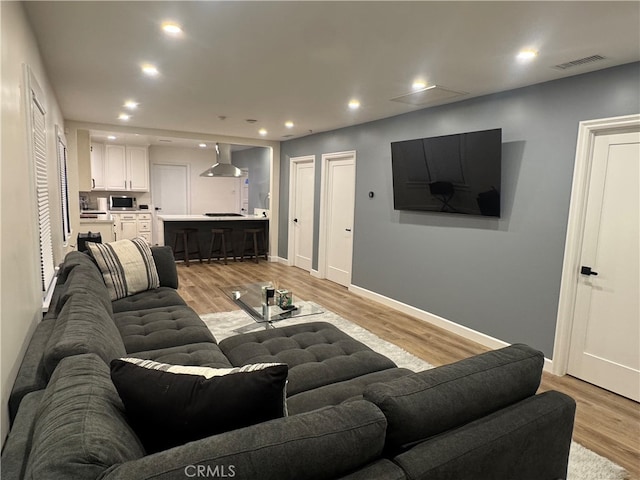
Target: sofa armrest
18 444
529 440
166 266
330 442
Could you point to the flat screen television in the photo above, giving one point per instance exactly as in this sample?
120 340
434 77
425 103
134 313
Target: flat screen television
458 174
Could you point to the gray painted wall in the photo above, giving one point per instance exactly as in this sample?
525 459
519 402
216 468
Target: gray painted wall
257 160
501 276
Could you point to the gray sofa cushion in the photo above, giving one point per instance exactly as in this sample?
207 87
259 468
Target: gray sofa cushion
317 353
166 266
529 440
83 326
427 403
380 470
339 392
205 354
323 444
83 279
159 297
71 261
15 451
81 428
32 375
164 327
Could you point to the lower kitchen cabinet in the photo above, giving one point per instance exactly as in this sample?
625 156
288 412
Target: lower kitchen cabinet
131 225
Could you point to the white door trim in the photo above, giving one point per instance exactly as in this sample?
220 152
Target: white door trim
575 228
293 166
324 185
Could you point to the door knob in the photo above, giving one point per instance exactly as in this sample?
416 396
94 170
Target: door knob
587 271
295 220
347 229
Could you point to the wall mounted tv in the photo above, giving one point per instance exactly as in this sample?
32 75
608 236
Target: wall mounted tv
457 174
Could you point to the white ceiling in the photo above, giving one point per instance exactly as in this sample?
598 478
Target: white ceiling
303 61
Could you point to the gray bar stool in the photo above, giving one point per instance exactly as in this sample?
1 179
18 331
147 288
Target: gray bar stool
257 244
184 234
224 234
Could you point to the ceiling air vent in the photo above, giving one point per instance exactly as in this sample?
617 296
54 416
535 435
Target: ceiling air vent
432 94
579 62
165 140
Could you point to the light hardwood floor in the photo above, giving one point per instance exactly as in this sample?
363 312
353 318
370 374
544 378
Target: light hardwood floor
605 423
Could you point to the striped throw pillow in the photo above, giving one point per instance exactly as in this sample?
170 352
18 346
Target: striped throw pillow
127 266
170 405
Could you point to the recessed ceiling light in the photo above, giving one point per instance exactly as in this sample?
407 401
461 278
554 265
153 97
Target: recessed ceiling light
262 132
131 105
418 85
171 28
202 145
354 104
124 116
150 70
111 137
527 54
288 124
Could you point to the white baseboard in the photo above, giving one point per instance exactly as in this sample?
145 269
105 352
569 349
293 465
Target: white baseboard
283 261
448 325
315 273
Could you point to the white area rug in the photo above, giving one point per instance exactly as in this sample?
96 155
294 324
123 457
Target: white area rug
583 463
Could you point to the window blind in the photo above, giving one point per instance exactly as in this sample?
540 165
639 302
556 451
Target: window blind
64 189
39 138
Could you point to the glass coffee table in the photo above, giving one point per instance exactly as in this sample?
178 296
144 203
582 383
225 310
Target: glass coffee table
250 298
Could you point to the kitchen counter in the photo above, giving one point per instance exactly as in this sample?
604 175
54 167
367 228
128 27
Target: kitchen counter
101 223
89 218
206 218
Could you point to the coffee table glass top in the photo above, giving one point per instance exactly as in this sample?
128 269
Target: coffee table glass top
249 297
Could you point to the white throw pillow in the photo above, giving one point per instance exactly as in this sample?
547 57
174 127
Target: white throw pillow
127 266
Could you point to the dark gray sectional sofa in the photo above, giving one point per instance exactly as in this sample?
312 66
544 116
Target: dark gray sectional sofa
352 413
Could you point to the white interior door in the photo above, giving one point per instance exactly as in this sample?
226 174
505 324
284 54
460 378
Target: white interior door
170 194
605 339
302 174
339 183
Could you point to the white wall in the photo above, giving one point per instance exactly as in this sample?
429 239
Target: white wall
20 298
207 194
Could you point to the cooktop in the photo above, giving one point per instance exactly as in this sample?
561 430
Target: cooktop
223 214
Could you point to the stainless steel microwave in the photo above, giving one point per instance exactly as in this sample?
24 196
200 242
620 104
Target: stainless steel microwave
122 202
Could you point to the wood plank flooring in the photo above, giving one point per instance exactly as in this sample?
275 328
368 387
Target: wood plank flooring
605 423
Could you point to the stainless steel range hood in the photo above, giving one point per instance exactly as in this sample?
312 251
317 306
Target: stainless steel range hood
223 167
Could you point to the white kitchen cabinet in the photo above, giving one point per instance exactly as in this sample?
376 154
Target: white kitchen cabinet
127 168
115 167
144 227
137 169
131 225
125 225
97 167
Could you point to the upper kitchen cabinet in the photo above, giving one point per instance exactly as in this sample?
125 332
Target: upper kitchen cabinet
115 167
138 168
83 148
97 167
126 168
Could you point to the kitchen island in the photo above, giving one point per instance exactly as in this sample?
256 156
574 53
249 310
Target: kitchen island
205 222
